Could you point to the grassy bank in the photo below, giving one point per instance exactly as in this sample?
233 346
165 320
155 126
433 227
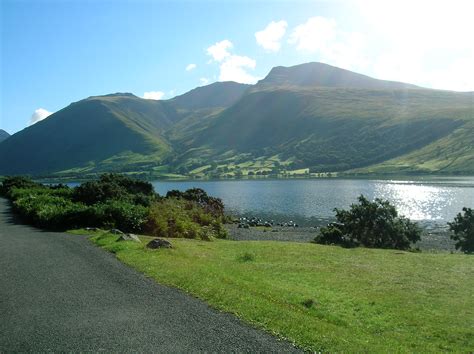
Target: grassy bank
322 297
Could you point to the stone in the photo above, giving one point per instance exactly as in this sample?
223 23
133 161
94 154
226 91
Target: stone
129 237
116 232
158 243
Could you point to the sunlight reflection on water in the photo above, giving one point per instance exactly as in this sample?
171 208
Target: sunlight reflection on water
416 201
427 200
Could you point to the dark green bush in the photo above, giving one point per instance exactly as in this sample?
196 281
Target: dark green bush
10 183
50 211
114 187
463 230
119 214
370 224
116 201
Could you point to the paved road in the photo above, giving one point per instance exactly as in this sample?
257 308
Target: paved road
58 292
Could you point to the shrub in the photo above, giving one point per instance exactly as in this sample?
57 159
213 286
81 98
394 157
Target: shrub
117 201
172 217
463 230
370 224
50 211
114 187
212 205
119 214
10 183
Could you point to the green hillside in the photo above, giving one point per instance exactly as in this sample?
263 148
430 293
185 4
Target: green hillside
86 134
310 118
453 154
335 129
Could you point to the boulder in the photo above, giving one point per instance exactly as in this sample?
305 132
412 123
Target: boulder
158 243
129 237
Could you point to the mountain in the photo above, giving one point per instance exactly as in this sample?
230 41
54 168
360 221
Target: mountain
3 135
324 75
118 132
88 133
333 129
218 94
310 117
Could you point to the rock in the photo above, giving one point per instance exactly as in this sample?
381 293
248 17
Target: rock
129 237
116 232
158 243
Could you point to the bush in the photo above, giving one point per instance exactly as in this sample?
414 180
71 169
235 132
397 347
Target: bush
51 212
9 183
463 230
119 214
114 187
212 205
370 224
172 217
116 201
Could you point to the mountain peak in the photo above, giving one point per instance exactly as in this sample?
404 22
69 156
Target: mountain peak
113 95
316 74
3 135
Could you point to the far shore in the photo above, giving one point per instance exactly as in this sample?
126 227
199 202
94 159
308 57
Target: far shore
334 175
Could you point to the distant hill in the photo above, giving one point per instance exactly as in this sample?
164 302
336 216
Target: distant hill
307 118
3 135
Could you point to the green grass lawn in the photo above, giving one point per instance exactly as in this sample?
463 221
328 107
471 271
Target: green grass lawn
323 297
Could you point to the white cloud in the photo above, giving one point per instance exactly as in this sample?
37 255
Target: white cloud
190 67
204 81
458 76
219 51
323 37
39 115
153 95
316 34
389 40
232 67
432 50
270 37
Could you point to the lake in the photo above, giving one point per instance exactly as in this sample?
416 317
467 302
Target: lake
430 201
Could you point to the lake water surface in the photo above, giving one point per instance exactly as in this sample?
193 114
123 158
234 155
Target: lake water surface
431 201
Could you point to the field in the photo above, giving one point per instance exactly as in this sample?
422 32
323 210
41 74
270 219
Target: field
322 298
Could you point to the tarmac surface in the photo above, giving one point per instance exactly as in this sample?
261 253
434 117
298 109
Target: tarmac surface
59 292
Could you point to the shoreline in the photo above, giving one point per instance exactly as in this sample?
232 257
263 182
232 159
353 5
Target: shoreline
430 241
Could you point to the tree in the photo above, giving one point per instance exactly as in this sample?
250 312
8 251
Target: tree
370 224
463 230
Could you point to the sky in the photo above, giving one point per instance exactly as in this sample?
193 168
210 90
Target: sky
54 52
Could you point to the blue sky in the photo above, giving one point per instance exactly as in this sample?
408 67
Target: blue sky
57 52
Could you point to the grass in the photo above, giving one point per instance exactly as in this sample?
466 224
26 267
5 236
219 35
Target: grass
322 298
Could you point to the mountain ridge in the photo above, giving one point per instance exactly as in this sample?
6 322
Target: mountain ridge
311 116
317 74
